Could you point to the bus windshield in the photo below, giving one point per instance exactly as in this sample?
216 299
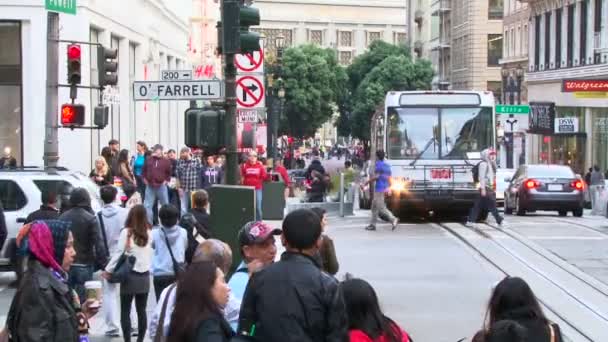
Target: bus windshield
438 133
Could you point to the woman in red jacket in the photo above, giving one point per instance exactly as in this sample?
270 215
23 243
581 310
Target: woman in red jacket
366 322
253 173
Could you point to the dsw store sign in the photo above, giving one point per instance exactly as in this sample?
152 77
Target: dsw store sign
566 125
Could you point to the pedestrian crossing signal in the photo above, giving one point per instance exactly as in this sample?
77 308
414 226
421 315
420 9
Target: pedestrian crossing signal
204 128
72 115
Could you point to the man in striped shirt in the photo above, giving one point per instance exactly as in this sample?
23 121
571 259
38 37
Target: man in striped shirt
188 174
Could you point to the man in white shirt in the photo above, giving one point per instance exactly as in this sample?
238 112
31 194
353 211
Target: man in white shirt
112 219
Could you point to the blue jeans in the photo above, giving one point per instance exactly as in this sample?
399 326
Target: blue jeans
184 200
78 275
153 193
258 205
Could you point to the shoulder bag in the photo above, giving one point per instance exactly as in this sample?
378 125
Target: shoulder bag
177 267
160 327
124 265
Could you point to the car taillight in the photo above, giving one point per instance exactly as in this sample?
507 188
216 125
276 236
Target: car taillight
531 184
578 185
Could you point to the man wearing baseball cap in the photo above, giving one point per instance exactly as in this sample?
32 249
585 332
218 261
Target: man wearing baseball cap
487 192
258 249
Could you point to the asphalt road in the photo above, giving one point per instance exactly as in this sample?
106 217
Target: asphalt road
437 274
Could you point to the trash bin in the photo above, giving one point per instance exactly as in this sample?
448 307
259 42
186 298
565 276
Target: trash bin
273 200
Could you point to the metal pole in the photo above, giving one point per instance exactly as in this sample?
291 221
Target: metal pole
275 131
232 162
51 142
341 194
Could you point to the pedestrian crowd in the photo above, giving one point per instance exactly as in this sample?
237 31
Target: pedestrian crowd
297 298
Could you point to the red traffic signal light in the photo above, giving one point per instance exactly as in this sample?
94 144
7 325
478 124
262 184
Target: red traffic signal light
74 55
72 115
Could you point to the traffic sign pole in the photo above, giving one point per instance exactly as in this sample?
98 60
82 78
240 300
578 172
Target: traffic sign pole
51 142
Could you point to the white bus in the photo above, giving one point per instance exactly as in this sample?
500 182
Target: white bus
432 141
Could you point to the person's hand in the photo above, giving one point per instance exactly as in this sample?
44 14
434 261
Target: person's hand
483 192
106 275
91 307
254 266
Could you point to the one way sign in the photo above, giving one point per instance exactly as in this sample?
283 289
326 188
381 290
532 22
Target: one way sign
250 91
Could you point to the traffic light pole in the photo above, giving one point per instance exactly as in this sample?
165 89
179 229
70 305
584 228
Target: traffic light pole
232 163
51 142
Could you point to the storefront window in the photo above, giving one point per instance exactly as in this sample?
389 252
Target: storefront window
600 137
10 94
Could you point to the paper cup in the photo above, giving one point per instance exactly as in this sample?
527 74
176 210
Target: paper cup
93 290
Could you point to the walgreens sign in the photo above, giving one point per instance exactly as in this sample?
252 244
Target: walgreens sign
571 86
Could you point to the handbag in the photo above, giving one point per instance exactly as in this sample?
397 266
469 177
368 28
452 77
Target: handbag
160 327
124 265
177 267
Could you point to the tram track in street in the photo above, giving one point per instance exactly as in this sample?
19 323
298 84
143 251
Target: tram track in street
572 297
578 224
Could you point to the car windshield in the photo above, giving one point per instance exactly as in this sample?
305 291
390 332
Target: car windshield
553 171
438 133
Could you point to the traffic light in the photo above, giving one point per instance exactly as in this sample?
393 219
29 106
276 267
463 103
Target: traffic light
74 54
72 115
100 116
204 128
236 20
107 66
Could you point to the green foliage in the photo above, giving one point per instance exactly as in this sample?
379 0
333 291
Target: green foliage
383 68
313 81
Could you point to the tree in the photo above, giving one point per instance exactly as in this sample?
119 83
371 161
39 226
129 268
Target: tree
313 79
396 73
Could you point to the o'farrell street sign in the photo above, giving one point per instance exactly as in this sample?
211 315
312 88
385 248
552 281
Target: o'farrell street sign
177 90
512 109
63 6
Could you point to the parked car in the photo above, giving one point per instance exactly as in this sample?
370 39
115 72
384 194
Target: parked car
545 187
297 177
501 184
20 194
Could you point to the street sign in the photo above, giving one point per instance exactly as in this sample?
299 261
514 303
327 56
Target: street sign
176 75
250 115
250 91
512 109
63 6
177 90
250 62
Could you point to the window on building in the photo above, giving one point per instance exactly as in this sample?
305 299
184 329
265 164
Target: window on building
10 90
371 36
506 44
271 37
346 57
558 38
536 42
512 53
494 49
495 9
526 40
597 27
570 49
399 38
520 41
583 37
345 38
547 56
315 37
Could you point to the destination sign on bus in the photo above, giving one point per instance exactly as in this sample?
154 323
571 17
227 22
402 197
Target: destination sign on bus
439 99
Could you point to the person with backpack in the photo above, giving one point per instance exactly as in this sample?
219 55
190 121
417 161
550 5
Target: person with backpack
196 222
169 242
316 180
112 220
485 173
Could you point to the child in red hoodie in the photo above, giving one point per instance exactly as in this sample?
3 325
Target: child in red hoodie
253 173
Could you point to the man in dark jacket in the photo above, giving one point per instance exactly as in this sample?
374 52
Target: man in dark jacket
90 250
316 180
48 209
293 297
157 175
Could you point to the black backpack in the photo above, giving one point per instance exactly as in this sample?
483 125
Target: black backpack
475 172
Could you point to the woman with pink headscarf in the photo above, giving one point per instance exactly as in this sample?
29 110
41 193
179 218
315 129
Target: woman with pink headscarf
44 307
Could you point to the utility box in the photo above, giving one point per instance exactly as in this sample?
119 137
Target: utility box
231 207
273 200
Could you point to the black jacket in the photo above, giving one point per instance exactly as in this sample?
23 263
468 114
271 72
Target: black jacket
214 329
315 165
3 228
44 213
42 309
88 243
293 300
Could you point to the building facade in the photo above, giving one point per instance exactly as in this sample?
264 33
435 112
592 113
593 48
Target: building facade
419 26
348 26
466 44
150 35
568 82
202 43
